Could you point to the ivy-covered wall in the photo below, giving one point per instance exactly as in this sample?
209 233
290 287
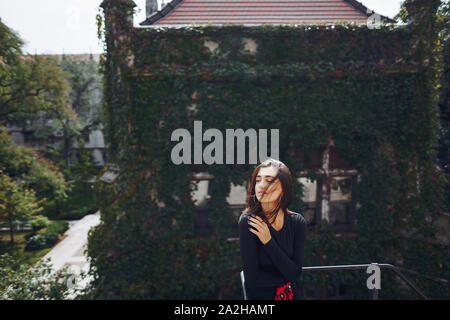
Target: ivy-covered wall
371 90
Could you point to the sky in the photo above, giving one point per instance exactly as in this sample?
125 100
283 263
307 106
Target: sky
70 27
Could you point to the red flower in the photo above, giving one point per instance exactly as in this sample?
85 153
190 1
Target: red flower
284 292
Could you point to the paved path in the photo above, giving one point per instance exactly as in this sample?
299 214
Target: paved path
70 250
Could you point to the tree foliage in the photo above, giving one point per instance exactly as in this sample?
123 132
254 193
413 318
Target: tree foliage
30 84
17 203
26 165
59 103
38 282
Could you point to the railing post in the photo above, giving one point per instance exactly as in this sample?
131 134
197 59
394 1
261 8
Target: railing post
374 294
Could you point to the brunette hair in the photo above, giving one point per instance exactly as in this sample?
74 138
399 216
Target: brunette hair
253 206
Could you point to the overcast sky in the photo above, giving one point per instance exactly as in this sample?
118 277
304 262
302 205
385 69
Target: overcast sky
69 26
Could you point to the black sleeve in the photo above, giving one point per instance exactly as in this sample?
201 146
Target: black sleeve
254 275
289 268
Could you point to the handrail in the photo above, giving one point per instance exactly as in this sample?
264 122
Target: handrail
391 267
365 266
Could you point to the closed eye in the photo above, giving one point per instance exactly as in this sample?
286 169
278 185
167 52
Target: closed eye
269 180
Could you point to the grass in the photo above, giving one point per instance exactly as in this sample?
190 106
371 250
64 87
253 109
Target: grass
17 251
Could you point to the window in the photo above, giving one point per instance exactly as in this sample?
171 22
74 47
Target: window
341 200
333 196
200 196
309 199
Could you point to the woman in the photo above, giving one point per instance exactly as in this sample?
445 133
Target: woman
272 238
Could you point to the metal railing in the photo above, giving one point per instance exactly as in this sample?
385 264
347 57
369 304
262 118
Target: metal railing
374 291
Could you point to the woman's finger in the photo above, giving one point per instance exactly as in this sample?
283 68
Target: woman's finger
257 218
256 225
261 224
253 224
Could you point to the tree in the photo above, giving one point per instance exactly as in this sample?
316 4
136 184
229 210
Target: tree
80 200
35 92
76 119
85 96
63 122
28 84
85 101
86 90
61 104
17 203
10 45
24 164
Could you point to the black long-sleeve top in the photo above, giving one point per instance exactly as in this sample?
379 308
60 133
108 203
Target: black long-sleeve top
267 267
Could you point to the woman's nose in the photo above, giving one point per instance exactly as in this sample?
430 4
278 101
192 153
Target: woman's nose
263 184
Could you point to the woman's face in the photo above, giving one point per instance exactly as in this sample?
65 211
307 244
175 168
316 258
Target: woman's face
273 192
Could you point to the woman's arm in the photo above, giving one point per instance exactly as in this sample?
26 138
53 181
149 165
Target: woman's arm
254 275
289 268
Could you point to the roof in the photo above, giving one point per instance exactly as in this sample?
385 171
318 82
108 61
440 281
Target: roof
250 12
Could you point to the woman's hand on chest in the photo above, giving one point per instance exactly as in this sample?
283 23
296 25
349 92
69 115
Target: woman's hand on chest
261 229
